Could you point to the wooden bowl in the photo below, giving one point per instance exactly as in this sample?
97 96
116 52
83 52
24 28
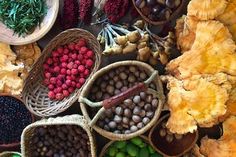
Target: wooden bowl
7 35
173 15
16 144
177 147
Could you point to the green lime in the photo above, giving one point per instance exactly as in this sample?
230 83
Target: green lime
16 155
123 149
137 141
142 145
112 151
120 144
151 150
156 155
132 149
144 152
120 154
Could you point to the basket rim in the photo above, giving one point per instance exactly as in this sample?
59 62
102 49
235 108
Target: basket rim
156 23
110 135
159 151
46 52
69 120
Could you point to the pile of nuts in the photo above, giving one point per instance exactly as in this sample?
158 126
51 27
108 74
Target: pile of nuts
157 10
134 113
67 69
60 141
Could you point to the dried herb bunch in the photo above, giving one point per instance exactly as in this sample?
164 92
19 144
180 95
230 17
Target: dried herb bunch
22 16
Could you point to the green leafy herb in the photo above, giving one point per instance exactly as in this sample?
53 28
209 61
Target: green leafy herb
22 16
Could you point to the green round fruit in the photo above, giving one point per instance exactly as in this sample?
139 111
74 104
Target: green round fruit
120 154
151 150
144 152
137 141
112 151
16 155
156 155
120 144
132 149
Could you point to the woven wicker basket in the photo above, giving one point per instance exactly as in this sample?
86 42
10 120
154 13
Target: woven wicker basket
158 23
35 94
8 154
85 92
66 120
104 149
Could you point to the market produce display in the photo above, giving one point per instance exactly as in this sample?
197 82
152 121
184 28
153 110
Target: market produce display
118 78
61 140
14 118
136 147
22 16
67 69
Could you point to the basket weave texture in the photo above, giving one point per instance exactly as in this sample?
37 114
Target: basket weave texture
35 93
8 154
66 120
143 66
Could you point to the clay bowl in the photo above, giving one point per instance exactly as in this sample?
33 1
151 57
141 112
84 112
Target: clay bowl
177 147
8 36
15 145
157 23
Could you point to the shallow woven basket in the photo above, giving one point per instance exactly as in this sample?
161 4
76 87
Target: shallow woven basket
66 120
35 94
104 149
8 154
112 136
174 15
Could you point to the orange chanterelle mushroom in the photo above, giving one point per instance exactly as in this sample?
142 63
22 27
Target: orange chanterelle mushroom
223 147
202 81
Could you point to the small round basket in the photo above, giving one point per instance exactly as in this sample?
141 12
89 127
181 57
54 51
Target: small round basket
158 23
35 93
86 105
104 149
78 120
8 154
